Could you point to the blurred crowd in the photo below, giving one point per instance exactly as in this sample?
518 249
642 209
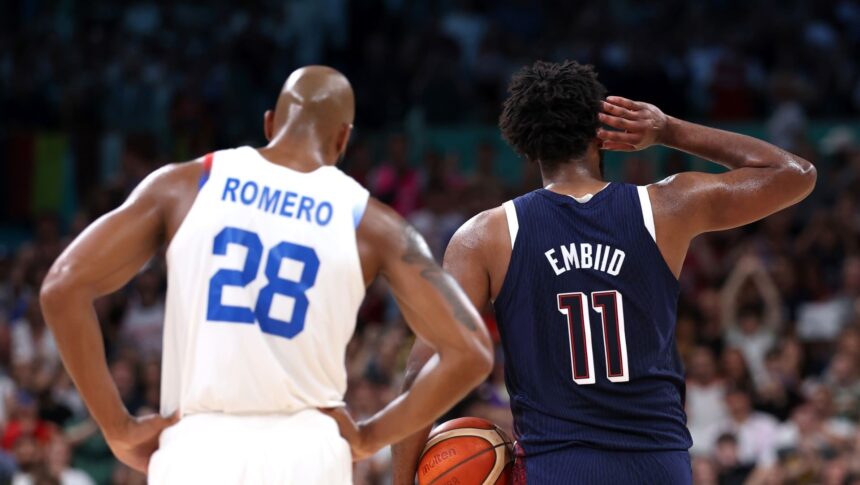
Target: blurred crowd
769 320
185 71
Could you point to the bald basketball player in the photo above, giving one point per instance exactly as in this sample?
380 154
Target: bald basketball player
583 276
269 252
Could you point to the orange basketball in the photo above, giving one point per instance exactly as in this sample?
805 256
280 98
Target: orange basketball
466 451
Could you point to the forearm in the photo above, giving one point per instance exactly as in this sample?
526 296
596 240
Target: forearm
441 384
405 454
731 150
72 319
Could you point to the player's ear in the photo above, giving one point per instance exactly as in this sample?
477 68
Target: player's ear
268 124
343 139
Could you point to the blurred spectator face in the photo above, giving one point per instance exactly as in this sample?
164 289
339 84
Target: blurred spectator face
821 400
849 342
739 405
734 365
123 374
26 409
783 273
749 322
792 355
726 451
27 453
58 455
23 372
843 369
702 366
709 303
805 419
704 472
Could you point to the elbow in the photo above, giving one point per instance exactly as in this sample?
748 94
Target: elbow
480 356
805 175
55 292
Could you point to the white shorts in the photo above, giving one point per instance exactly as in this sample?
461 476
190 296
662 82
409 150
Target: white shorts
302 448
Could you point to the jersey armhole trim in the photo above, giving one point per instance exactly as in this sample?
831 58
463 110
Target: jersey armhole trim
647 213
513 223
358 210
207 168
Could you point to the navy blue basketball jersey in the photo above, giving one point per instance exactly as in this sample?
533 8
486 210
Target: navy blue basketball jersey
587 319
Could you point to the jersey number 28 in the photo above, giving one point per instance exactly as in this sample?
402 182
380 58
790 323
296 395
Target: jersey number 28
276 285
610 306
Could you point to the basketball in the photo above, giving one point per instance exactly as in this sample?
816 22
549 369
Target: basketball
466 451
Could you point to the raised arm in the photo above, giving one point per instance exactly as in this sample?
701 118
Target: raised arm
762 178
101 260
464 261
438 312
750 267
730 293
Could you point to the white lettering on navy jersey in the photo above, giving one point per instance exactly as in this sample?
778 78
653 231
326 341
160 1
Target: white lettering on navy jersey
584 256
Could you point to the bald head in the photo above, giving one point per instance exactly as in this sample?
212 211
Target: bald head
315 105
317 95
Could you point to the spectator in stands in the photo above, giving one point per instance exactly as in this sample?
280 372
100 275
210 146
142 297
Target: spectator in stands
394 181
748 329
755 432
706 394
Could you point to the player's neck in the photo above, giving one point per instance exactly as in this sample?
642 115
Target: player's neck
576 177
302 155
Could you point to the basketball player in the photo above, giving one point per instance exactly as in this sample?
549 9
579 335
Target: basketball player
583 275
269 252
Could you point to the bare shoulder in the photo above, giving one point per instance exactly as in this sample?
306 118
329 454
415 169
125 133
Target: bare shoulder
384 236
485 230
673 192
171 191
480 251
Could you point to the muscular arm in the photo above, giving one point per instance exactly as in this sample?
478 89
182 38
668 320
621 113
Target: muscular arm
762 178
101 260
438 312
464 261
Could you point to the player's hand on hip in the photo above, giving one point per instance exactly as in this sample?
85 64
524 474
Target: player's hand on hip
354 433
637 125
134 442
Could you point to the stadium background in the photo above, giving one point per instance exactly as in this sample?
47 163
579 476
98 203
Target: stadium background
96 94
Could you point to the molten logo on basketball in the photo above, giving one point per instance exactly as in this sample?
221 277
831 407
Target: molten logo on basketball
437 459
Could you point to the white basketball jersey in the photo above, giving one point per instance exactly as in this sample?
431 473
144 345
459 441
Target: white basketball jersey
264 284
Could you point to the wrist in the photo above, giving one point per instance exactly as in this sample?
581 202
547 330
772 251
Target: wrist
669 136
369 434
115 425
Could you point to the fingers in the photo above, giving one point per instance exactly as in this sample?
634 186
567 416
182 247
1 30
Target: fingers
618 147
160 422
618 110
616 122
346 425
618 136
625 103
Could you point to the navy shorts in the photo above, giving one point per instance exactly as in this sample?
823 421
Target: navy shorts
589 466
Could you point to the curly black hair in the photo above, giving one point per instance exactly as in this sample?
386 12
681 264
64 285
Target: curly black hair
550 115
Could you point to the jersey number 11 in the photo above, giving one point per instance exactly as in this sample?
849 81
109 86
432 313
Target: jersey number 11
610 306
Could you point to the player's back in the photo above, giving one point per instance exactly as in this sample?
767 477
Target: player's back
264 283
587 318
